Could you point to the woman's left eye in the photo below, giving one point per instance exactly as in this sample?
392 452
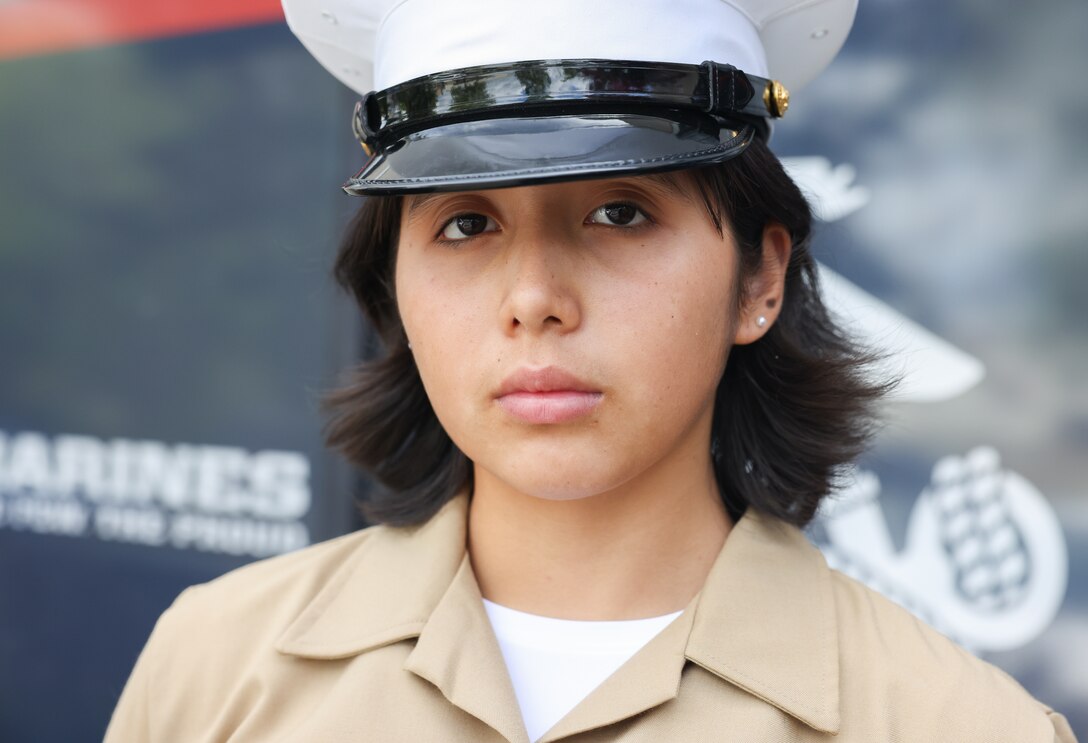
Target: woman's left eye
619 214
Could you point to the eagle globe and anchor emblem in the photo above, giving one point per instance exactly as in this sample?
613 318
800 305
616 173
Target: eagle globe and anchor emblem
984 559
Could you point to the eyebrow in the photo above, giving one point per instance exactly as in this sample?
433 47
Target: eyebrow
416 202
669 183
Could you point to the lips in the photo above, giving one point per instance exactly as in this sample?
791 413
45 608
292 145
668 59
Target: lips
547 396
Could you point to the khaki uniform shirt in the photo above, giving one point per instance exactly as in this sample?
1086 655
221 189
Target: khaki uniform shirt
381 635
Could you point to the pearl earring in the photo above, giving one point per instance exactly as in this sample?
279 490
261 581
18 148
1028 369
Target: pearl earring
761 321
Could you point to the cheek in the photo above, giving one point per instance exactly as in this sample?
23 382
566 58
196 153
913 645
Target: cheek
677 323
443 321
427 301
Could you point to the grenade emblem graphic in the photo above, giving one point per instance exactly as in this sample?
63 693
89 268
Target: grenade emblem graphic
984 559
981 539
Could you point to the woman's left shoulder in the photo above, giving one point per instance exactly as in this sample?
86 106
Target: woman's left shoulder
911 678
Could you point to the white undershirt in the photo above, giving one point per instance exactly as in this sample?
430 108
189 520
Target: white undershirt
556 663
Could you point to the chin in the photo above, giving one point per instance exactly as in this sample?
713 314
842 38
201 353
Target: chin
559 493
547 479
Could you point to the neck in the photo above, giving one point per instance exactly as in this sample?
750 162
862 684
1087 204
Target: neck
641 550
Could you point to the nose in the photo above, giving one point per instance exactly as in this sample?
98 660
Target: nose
541 293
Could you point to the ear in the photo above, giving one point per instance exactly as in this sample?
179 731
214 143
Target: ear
766 288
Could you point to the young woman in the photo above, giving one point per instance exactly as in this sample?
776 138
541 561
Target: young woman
609 396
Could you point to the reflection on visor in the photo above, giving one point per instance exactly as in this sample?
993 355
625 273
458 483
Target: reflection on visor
599 139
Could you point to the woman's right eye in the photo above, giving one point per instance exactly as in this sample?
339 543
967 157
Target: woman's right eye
464 226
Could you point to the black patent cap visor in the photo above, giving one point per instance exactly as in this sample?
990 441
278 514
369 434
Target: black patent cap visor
499 153
503 126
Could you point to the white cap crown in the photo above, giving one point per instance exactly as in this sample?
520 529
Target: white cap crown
374 44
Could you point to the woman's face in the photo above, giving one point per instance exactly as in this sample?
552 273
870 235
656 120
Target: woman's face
570 336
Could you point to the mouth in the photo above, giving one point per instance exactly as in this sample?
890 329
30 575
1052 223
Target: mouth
547 396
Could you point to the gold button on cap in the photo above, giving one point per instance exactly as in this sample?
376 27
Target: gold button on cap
776 99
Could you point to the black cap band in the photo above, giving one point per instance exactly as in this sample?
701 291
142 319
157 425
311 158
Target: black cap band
559 87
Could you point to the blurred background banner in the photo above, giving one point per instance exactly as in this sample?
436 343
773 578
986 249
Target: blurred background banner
169 210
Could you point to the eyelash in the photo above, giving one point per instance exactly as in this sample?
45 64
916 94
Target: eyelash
647 222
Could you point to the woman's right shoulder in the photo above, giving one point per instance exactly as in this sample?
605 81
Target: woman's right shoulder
218 636
303 570
227 652
260 599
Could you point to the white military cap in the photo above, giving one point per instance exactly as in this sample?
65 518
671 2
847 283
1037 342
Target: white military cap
504 92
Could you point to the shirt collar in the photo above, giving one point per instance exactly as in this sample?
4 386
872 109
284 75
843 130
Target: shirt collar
385 591
764 621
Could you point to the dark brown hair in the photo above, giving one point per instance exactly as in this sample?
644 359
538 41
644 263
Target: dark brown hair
791 408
